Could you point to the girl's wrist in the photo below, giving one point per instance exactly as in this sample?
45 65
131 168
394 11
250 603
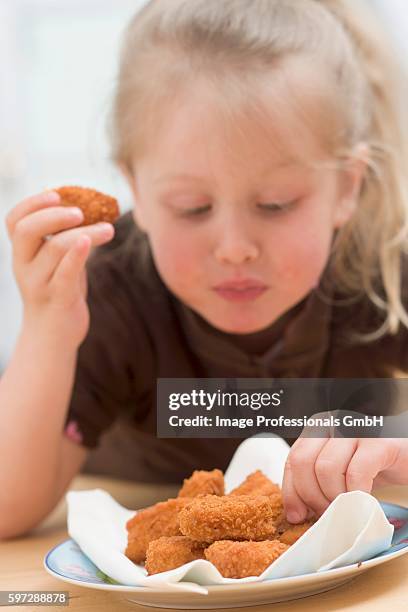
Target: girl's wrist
397 474
48 332
400 468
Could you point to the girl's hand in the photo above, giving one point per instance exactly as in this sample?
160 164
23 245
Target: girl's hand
49 256
319 469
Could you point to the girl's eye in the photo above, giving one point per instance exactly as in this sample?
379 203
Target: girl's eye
273 207
276 207
194 212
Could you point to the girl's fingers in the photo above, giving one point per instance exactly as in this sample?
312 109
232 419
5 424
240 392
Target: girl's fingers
72 265
302 458
54 250
29 232
29 205
331 465
295 510
371 457
84 284
317 470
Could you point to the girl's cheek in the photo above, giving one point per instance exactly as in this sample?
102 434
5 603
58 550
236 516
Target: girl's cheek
177 258
303 260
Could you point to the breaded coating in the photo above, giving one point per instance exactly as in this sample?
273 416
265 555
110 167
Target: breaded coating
210 518
276 504
289 533
242 559
95 205
152 523
203 483
256 484
167 553
276 501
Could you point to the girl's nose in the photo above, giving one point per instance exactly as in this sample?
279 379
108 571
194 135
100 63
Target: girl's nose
234 246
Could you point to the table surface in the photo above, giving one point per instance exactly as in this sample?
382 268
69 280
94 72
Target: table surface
21 562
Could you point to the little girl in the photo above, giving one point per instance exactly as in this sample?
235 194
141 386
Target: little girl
263 144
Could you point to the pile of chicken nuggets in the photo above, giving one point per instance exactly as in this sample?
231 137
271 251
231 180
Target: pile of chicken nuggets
241 533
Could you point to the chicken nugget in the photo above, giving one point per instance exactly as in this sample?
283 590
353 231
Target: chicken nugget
203 483
167 553
95 205
276 504
256 484
289 533
242 559
152 523
210 518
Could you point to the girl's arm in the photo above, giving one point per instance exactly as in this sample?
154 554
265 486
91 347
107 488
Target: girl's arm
49 256
34 395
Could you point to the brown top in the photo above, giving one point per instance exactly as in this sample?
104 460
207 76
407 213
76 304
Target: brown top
140 332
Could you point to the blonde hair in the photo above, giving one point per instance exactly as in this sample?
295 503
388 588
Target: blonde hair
231 43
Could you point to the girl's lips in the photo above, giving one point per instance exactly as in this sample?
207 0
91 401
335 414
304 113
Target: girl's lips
240 291
240 295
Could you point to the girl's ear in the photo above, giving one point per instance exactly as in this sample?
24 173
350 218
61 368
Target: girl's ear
137 210
351 181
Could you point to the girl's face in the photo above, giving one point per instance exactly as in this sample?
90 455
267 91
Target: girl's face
238 233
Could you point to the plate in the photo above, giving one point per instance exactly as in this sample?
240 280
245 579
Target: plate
68 563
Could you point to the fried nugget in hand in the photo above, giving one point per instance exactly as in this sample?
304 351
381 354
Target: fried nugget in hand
95 205
203 483
256 484
167 553
242 559
152 523
210 518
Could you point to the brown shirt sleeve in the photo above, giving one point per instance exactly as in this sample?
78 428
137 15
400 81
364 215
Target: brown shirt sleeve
115 361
